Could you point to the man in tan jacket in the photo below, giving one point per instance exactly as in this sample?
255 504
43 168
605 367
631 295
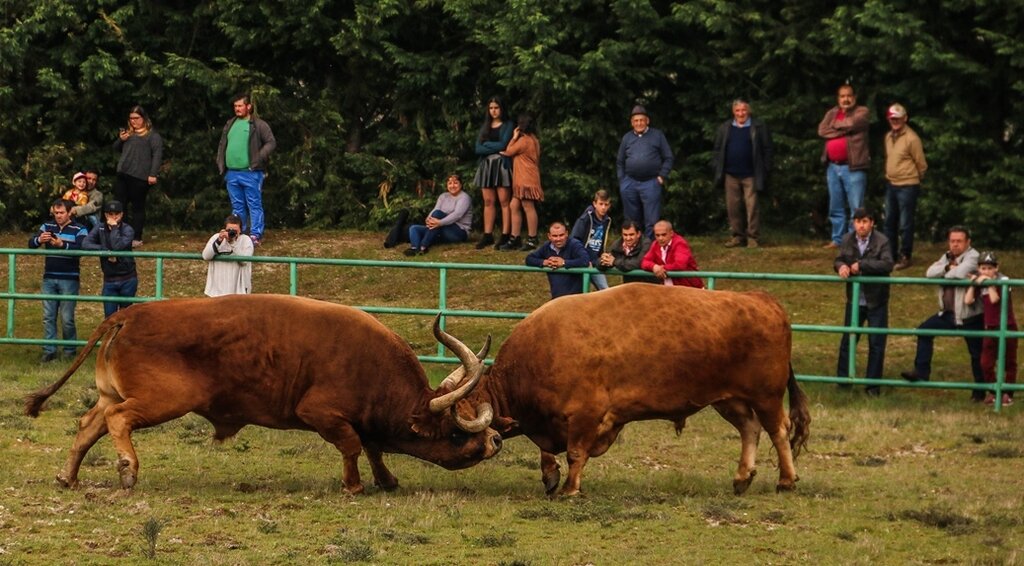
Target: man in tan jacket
904 167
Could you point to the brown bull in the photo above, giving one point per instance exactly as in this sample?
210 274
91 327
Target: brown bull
581 367
278 362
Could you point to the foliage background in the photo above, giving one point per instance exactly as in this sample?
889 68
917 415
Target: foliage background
372 101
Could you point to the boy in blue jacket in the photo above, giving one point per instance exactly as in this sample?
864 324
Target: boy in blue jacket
591 229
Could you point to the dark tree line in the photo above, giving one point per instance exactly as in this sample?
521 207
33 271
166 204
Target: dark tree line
373 101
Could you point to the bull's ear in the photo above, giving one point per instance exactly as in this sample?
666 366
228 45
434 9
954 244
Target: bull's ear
423 426
504 424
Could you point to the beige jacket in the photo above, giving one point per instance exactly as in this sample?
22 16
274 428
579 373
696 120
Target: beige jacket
904 158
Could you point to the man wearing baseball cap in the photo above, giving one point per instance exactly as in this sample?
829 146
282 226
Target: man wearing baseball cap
643 164
119 276
904 168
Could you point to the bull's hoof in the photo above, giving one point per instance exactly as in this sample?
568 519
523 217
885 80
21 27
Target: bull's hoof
570 493
739 487
354 489
387 486
65 482
785 486
128 477
551 482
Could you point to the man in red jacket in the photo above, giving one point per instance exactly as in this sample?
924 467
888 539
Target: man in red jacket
670 252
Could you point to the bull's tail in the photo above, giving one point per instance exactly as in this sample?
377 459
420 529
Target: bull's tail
34 401
799 416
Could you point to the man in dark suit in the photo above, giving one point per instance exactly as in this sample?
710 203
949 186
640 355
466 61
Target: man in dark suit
865 251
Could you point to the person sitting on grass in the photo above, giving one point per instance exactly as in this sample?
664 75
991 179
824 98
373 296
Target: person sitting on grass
448 222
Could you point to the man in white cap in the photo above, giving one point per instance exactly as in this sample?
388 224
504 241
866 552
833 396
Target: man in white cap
904 168
643 164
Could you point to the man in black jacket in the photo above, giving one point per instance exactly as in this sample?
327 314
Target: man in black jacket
865 251
627 252
741 160
119 276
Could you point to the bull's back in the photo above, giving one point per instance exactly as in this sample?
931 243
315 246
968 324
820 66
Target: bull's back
248 354
647 351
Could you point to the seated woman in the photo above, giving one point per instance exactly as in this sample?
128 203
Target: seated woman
449 222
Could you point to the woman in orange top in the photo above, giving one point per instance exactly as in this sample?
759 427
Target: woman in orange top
524 149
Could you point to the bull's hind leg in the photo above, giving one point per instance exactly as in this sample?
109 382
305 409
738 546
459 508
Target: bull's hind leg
335 429
382 476
741 416
132 414
775 422
91 427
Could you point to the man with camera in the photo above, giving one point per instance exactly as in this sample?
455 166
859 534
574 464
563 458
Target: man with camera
959 262
119 276
226 276
60 275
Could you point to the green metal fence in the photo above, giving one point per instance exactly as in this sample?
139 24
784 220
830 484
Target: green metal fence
443 269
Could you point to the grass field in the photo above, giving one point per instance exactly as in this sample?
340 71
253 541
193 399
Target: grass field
913 477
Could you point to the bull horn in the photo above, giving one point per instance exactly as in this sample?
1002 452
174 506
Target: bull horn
484 414
455 378
472 365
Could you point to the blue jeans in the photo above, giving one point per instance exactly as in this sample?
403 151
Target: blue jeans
66 309
641 201
945 321
599 281
245 189
846 189
422 237
900 204
126 288
877 317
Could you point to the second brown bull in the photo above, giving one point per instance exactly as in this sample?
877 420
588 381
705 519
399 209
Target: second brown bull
577 370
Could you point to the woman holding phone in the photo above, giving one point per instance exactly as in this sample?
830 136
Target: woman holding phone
142 151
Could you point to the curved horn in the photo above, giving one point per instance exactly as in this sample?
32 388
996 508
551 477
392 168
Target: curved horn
455 378
484 414
471 364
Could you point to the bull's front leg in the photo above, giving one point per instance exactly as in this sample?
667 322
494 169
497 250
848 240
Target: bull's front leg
382 476
340 433
550 473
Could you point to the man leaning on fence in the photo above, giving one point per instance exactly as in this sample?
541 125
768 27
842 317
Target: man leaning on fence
60 275
958 263
865 251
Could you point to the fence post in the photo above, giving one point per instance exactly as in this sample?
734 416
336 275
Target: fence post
442 303
11 288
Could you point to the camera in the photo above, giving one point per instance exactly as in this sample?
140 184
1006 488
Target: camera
232 233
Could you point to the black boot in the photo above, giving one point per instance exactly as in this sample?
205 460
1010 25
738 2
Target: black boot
502 241
485 240
512 244
529 244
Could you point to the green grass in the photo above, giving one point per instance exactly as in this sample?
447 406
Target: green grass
921 477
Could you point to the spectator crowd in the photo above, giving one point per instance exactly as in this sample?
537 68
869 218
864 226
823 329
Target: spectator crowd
508 178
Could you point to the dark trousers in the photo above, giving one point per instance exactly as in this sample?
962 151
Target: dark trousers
990 355
900 205
877 317
945 321
132 194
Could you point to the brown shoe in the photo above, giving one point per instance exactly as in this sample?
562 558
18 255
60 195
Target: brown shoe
734 243
752 243
830 246
903 263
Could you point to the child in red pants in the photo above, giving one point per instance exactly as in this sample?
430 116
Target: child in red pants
988 268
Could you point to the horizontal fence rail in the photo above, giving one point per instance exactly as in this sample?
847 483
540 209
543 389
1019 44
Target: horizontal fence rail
160 258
